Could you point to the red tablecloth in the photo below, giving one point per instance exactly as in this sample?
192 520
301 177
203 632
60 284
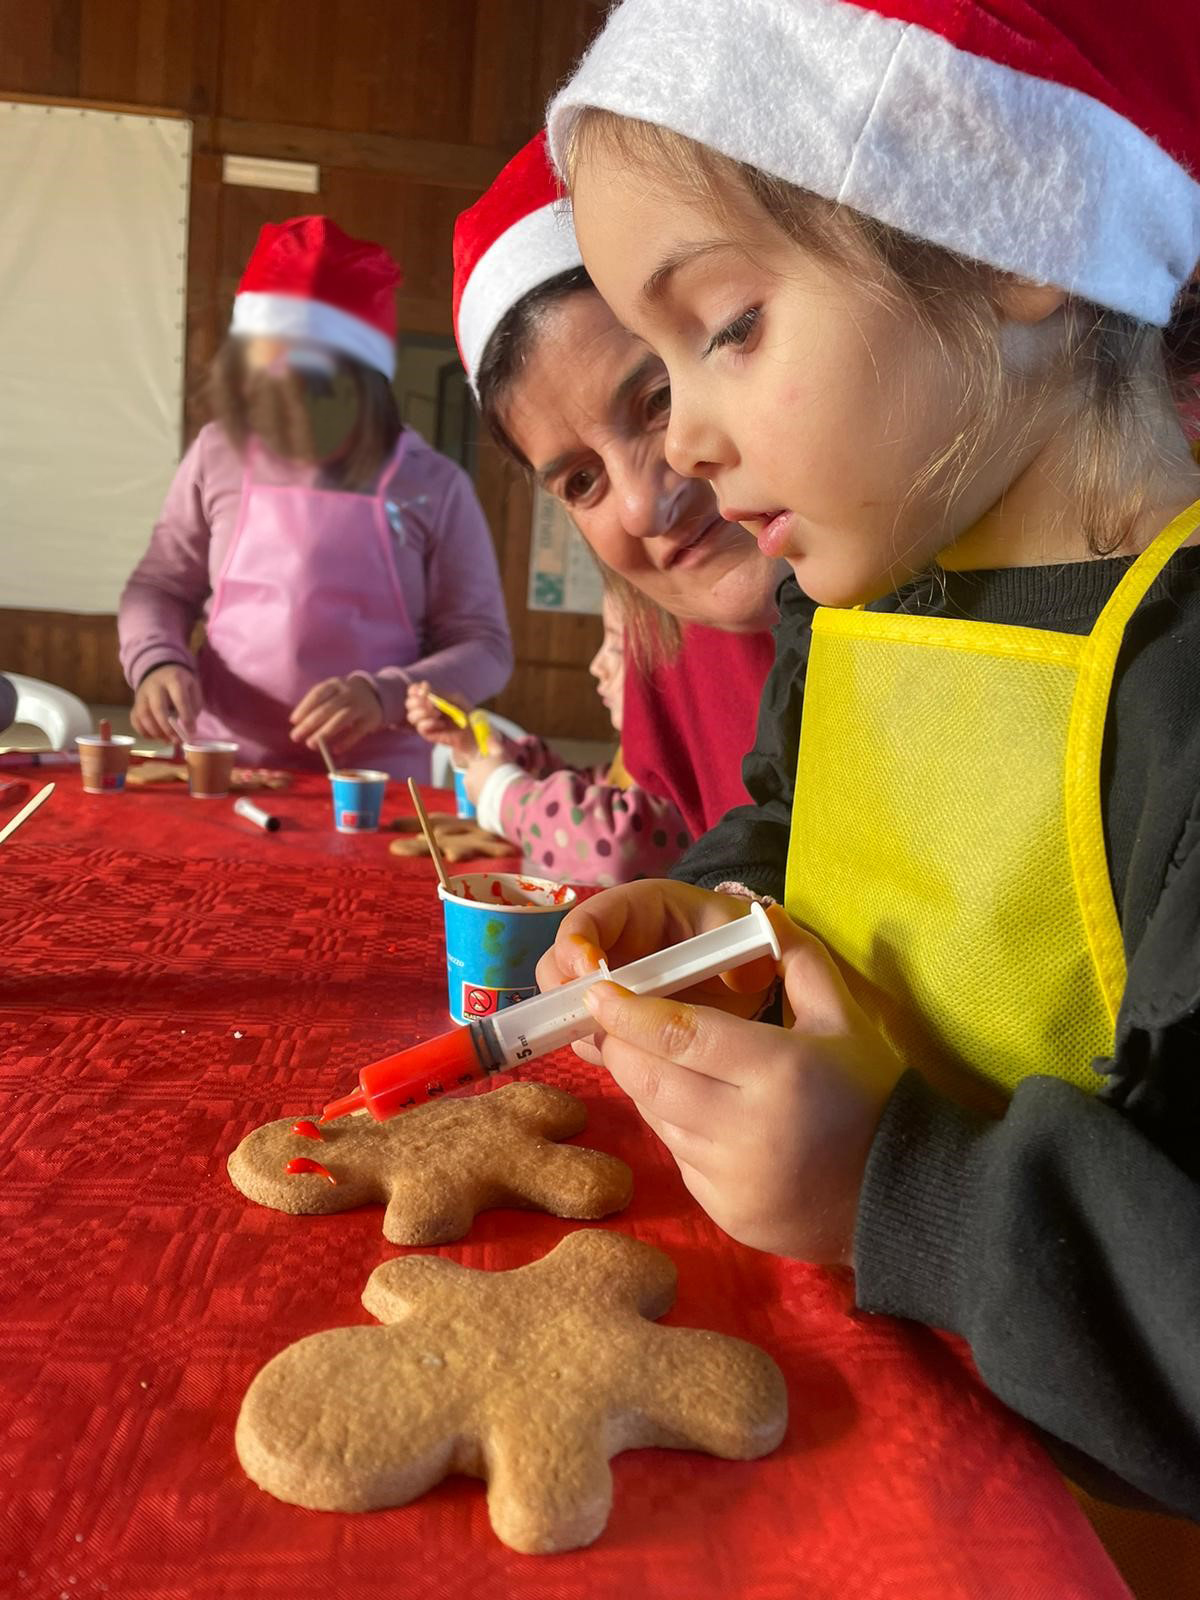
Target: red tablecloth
169 979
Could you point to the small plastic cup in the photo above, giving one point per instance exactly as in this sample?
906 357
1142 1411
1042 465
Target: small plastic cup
103 763
463 805
498 927
357 800
210 768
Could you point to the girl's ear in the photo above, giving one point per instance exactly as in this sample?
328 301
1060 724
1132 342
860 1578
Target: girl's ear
1019 300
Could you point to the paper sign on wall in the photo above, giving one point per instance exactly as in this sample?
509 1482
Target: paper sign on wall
562 574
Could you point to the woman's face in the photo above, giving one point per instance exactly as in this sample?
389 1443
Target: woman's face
607 666
589 412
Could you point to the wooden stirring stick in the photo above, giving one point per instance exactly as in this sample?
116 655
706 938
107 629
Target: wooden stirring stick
429 839
26 811
330 766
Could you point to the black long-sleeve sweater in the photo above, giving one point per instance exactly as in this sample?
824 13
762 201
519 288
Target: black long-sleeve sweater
1062 1241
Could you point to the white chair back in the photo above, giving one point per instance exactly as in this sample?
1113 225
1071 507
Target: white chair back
60 715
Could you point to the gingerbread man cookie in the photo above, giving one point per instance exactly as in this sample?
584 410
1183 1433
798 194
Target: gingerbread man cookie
531 1379
458 838
149 774
437 1165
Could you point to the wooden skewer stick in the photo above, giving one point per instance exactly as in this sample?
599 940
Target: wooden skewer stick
26 811
427 830
330 764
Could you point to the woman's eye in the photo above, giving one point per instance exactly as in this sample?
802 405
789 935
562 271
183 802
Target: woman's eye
736 332
579 485
658 404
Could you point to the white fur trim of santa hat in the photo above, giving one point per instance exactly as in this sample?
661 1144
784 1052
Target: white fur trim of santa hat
288 316
1016 170
539 246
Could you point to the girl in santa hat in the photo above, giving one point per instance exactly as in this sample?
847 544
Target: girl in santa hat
333 555
918 276
582 405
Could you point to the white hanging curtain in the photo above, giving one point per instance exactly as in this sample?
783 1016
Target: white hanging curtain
93 283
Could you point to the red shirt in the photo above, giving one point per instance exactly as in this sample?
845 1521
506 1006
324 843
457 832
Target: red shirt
688 723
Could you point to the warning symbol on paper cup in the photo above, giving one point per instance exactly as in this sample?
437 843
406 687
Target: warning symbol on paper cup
478 1002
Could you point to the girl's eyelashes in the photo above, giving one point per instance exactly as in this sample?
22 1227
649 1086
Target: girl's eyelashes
736 332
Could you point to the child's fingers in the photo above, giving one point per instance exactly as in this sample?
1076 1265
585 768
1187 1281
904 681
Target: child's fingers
587 1050
185 692
317 696
815 989
343 728
695 1102
636 919
318 721
567 958
695 1037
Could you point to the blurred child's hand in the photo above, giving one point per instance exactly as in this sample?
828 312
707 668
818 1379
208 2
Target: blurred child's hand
479 770
637 918
435 725
770 1127
170 692
340 711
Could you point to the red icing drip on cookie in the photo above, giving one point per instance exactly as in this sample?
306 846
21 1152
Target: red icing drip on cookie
303 1164
307 1130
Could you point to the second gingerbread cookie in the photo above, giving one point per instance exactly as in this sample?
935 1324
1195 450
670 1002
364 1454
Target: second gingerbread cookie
437 1166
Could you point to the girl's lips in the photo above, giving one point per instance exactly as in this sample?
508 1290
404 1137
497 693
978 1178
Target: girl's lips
773 531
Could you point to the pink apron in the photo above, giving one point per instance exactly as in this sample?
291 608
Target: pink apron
309 591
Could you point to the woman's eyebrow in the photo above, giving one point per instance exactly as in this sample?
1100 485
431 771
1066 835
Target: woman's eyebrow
553 468
655 286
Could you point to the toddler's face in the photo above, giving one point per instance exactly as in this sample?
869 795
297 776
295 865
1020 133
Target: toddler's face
809 403
607 666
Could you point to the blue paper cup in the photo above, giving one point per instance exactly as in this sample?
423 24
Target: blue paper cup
463 806
357 800
498 927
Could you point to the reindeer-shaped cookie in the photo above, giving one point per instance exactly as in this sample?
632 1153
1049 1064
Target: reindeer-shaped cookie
437 1165
531 1379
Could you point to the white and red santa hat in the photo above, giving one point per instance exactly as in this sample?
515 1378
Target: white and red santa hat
1055 139
514 238
307 279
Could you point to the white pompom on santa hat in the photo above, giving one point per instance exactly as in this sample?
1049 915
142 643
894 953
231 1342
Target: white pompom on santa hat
1054 139
307 279
517 236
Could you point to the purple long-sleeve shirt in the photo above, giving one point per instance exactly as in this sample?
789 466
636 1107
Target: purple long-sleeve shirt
444 559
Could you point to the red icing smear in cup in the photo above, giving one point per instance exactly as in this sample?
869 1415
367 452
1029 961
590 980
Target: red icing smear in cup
302 1164
308 1130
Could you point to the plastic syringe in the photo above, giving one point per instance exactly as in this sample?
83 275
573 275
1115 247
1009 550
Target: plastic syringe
547 1021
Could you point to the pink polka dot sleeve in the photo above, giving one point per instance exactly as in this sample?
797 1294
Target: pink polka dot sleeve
574 826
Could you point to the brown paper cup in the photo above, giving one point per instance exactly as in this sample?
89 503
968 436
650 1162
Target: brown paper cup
103 763
210 768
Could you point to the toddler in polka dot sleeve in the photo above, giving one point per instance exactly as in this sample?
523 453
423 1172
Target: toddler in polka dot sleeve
590 825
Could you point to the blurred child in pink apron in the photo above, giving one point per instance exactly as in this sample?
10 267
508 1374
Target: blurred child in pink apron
333 555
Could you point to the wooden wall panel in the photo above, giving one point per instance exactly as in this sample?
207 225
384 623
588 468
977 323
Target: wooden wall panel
151 53
409 107
379 66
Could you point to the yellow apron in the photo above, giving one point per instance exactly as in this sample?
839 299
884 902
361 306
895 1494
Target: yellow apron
947 845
